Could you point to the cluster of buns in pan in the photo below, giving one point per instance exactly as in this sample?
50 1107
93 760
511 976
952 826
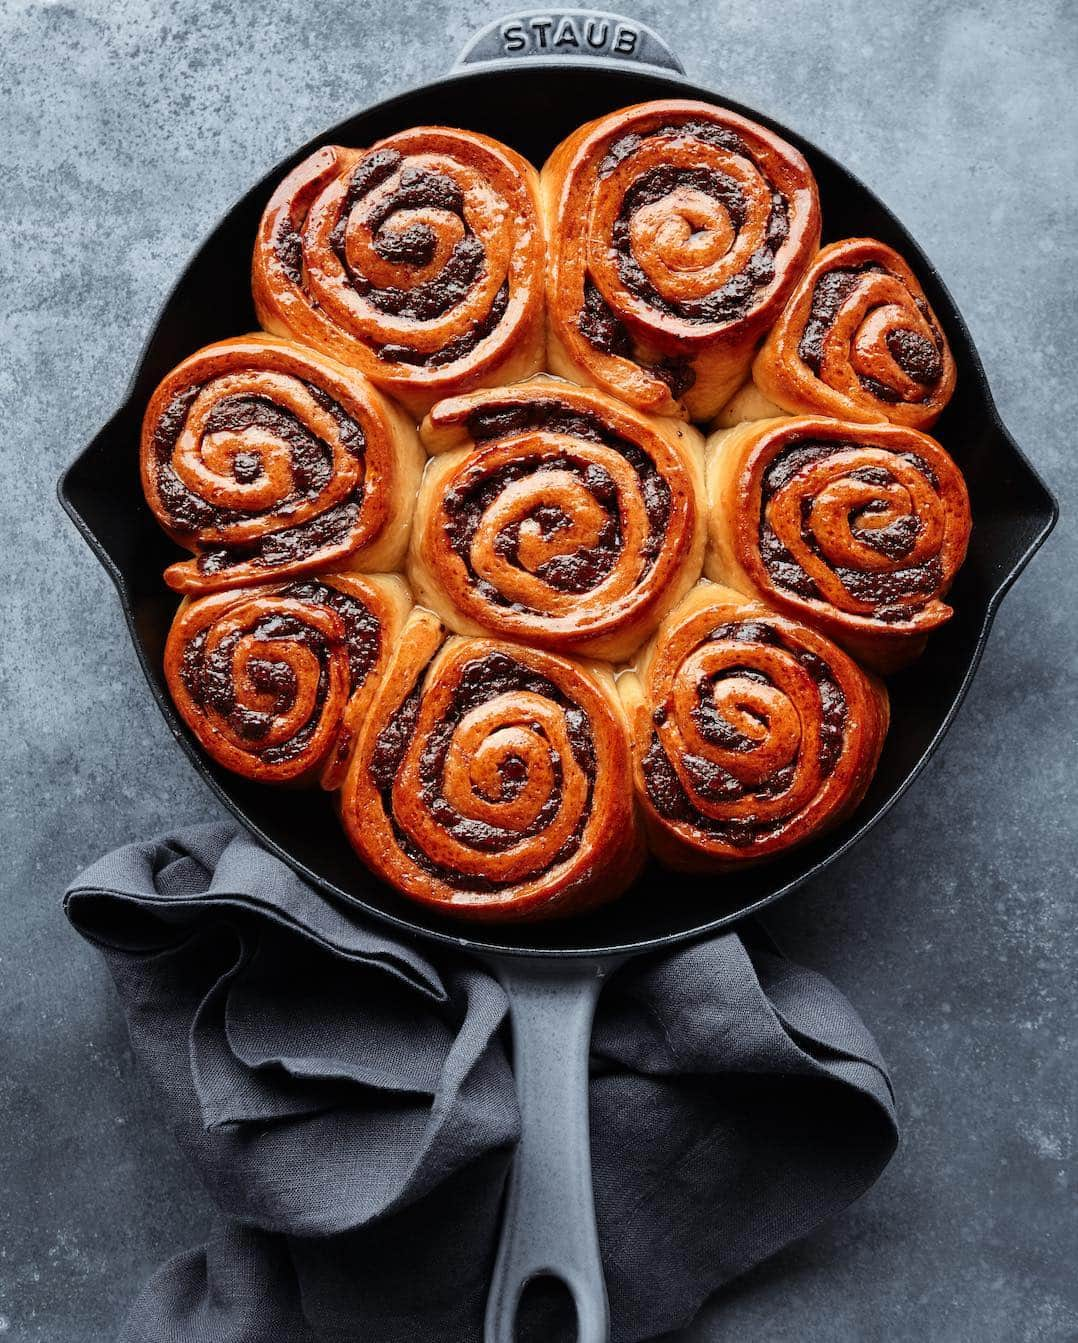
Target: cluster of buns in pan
555 518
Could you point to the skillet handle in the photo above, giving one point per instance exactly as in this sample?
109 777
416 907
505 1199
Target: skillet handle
548 1225
536 34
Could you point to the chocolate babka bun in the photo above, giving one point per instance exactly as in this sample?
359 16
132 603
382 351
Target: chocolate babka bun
268 460
676 232
489 780
418 261
857 529
275 681
555 515
856 341
751 732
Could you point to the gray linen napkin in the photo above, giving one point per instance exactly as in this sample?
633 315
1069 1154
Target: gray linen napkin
349 1106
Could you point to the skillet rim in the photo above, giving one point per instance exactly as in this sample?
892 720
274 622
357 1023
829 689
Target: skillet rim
471 937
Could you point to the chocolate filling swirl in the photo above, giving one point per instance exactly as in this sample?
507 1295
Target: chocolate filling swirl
362 628
412 246
919 358
896 592
480 681
710 781
209 678
581 570
730 303
311 462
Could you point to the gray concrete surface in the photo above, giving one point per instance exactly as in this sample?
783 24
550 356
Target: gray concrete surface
126 128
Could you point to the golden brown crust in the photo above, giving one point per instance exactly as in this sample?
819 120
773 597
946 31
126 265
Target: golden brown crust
858 341
856 529
488 781
275 681
664 220
484 773
751 733
268 460
418 261
555 515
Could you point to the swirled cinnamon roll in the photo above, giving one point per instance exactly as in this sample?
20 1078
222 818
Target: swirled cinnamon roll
856 341
275 681
751 732
418 261
554 515
268 461
857 529
676 232
489 780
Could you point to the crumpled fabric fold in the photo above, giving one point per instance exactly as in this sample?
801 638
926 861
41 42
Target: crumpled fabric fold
347 1100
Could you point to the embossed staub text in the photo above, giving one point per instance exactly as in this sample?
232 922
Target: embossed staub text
566 33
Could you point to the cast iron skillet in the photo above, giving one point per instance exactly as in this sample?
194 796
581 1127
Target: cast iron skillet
531 87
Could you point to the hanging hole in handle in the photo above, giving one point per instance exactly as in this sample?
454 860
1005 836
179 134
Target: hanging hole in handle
546 1311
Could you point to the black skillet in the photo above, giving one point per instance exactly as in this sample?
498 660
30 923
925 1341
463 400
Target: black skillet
529 80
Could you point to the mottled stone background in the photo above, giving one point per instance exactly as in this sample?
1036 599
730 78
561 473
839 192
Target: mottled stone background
126 129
